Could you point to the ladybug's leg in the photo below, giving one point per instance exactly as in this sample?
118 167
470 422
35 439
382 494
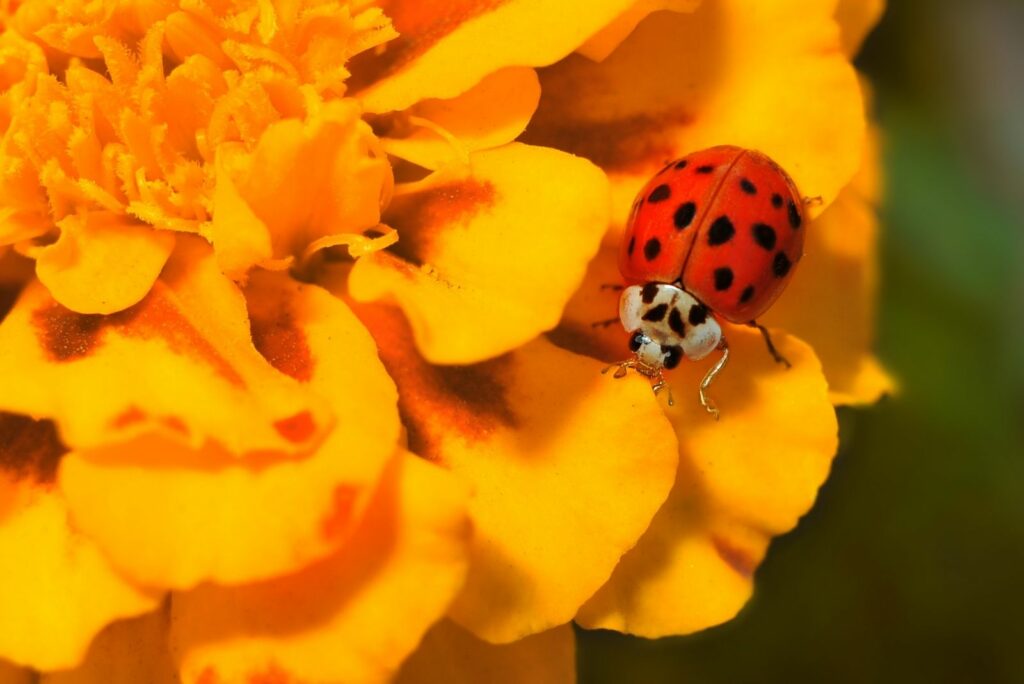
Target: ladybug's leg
815 201
709 405
662 385
614 287
605 323
779 358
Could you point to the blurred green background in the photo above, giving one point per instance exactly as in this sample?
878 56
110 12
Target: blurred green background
910 568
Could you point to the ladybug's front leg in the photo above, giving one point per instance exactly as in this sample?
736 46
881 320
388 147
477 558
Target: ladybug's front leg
779 358
709 405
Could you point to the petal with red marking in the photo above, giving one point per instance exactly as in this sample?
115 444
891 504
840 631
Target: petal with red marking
488 255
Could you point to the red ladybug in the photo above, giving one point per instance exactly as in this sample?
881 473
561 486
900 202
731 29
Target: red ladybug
716 233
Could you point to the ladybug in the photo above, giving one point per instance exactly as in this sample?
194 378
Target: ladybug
715 234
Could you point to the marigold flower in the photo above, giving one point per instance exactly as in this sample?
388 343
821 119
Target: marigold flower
300 383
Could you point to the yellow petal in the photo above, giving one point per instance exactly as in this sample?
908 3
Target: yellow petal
131 651
491 113
741 481
304 180
566 467
831 301
602 43
180 361
856 18
57 590
765 75
171 516
487 257
452 655
351 618
443 49
102 263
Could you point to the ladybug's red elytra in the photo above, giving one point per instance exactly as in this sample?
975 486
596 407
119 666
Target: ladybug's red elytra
717 233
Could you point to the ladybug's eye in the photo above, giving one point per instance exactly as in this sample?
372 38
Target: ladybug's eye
636 341
673 355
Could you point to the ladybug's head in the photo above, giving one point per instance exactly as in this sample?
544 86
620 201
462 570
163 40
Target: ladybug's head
665 324
653 355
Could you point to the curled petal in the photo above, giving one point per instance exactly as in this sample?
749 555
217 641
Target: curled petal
741 481
488 256
169 515
831 301
451 654
443 132
326 623
102 263
126 652
305 180
181 361
856 18
604 42
731 72
42 556
443 49
566 467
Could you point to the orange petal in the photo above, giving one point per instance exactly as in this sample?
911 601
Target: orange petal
181 361
170 516
741 481
604 42
566 467
491 113
351 618
488 256
856 18
12 674
451 654
102 263
831 301
443 49
126 652
57 589
768 75
304 180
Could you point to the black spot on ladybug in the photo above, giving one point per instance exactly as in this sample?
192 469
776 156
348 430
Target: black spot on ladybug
698 314
684 215
656 314
675 321
781 265
777 201
794 215
636 341
707 168
748 187
673 355
681 164
764 235
747 293
721 231
652 249
660 193
632 245
723 278
649 292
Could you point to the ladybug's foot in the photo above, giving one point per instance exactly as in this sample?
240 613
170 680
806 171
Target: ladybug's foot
605 323
662 385
621 368
709 405
815 201
614 287
779 358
